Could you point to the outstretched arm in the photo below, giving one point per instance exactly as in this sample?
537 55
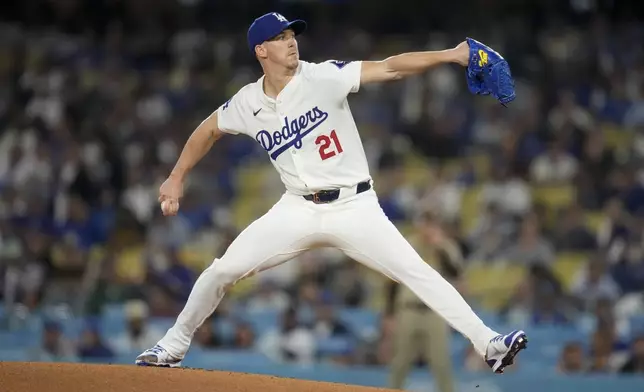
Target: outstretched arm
407 64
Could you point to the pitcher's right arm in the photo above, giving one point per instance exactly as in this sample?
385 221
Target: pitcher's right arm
199 143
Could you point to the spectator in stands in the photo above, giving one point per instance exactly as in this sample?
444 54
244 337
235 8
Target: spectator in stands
24 267
160 301
594 282
244 338
290 342
634 117
518 308
467 175
308 296
614 229
351 290
572 234
605 313
509 192
391 190
139 333
568 112
531 247
490 235
78 225
597 160
635 362
572 360
549 310
628 270
555 166
624 185
92 345
54 346
444 195
601 350
268 297
34 172
164 232
608 352
491 126
139 196
327 324
176 278
538 299
206 337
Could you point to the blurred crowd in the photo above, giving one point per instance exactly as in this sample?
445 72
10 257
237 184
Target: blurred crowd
97 101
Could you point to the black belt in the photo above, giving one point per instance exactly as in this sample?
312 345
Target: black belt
322 197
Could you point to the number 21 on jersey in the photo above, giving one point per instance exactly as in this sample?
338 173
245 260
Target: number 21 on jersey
329 145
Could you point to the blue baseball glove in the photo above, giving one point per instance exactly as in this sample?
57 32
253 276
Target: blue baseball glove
488 73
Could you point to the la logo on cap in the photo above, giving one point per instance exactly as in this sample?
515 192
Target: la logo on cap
280 17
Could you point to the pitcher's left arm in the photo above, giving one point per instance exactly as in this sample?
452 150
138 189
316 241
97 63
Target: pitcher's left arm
412 63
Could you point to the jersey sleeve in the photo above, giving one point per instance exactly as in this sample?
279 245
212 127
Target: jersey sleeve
229 115
343 75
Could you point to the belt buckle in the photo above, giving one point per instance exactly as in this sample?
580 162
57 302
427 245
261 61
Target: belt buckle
316 198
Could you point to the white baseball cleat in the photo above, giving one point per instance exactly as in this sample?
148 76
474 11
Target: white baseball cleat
157 356
502 349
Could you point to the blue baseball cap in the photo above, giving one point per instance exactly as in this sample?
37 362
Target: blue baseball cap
270 25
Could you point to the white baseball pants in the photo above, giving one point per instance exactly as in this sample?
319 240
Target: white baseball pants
356 225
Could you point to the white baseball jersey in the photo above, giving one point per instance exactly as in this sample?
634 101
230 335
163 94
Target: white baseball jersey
308 131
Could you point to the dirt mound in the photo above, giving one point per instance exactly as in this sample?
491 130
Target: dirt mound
65 377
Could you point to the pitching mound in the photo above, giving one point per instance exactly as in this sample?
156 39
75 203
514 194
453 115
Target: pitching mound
65 377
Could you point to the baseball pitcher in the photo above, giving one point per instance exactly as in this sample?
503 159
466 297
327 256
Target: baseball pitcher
298 112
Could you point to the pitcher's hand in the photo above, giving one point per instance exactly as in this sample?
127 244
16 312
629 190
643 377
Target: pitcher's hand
169 194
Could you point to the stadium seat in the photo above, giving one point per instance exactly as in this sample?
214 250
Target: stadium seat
195 259
13 355
470 208
567 265
225 328
363 322
547 342
113 319
261 322
129 264
492 285
212 359
416 171
616 138
594 220
333 346
554 197
19 339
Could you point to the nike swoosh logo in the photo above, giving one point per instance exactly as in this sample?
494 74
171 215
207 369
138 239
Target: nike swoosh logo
258 110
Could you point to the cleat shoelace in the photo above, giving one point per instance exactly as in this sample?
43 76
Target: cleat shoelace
156 350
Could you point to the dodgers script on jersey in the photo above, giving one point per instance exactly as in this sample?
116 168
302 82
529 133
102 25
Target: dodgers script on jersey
308 131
